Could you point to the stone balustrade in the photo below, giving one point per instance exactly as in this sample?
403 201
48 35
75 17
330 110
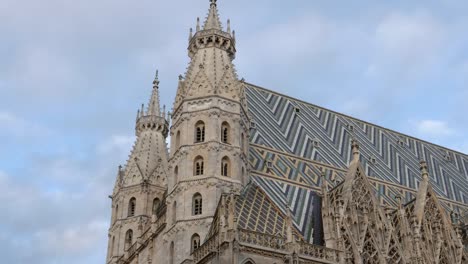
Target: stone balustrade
318 252
211 245
263 240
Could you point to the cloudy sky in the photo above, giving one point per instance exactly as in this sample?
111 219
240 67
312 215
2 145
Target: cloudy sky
73 74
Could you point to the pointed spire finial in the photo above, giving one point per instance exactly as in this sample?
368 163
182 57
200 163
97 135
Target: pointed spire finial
198 24
156 79
228 26
153 106
212 21
355 149
191 34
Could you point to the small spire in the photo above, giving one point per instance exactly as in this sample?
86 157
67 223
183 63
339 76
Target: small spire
198 24
212 21
191 34
138 114
153 107
228 26
355 150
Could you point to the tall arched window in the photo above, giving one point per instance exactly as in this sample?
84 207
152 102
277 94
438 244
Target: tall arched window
177 140
171 253
195 242
131 207
176 174
199 132
225 129
174 212
197 204
156 203
225 167
198 166
128 239
242 142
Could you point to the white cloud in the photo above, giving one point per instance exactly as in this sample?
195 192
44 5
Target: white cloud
407 43
434 128
13 124
116 143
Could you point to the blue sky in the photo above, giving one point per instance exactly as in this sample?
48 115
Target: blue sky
73 74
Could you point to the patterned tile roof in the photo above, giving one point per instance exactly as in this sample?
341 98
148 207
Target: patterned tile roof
292 141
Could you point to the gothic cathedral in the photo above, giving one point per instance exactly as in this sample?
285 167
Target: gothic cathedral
253 176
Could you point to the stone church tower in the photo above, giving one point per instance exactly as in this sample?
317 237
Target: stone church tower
140 186
208 136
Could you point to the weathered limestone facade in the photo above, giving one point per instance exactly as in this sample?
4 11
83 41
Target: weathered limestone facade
196 203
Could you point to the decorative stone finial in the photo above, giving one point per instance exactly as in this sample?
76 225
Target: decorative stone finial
191 34
324 180
156 79
198 24
228 26
423 168
212 2
355 149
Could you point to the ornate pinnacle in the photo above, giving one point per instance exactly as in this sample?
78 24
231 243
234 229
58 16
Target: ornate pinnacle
355 149
213 2
423 168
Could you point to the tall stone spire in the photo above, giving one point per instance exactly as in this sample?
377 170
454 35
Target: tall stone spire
153 106
148 159
211 71
141 185
212 21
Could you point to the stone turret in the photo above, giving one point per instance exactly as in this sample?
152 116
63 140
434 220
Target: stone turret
209 137
140 186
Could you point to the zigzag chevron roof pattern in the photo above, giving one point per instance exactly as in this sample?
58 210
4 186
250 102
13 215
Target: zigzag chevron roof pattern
299 139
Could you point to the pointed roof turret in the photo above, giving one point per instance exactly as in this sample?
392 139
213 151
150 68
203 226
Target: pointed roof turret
153 106
148 159
212 21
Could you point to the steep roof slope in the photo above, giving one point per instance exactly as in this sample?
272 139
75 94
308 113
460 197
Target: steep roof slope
292 141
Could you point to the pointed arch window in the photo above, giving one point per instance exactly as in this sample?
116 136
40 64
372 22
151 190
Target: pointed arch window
225 167
156 203
174 212
199 132
242 142
225 131
195 242
131 207
177 140
128 239
171 253
176 174
198 166
197 204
